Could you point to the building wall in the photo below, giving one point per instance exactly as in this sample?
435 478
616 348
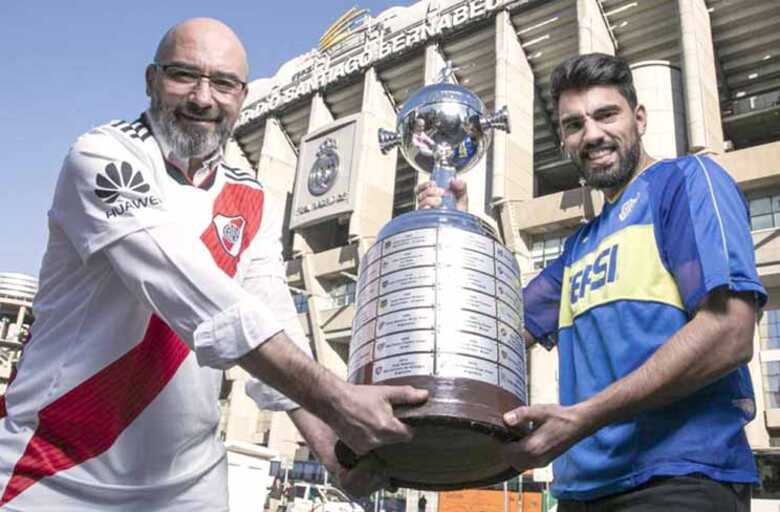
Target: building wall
687 70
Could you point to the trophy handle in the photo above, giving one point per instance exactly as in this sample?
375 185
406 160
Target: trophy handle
387 140
498 121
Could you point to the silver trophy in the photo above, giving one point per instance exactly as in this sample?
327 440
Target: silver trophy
439 307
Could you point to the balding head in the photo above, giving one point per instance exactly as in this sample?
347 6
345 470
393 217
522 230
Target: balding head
210 42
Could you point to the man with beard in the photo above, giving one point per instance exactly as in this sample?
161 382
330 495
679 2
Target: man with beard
652 305
163 268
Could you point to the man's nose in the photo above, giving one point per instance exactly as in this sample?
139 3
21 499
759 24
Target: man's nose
201 94
592 133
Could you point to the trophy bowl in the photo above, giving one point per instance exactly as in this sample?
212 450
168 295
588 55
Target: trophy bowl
439 307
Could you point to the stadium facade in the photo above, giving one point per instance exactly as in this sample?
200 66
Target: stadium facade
708 72
17 292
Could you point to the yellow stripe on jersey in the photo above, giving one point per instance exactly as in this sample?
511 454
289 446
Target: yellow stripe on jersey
624 266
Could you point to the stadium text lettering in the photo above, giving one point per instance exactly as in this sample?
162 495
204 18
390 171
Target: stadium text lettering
135 204
594 276
373 51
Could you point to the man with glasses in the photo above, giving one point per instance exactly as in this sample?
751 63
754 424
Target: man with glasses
163 268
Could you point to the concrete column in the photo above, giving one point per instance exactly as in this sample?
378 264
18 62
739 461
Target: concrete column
702 104
317 302
659 88
376 178
434 63
756 431
592 31
283 436
320 114
234 157
513 153
243 412
276 167
20 318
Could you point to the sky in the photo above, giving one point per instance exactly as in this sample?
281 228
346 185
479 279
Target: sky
67 66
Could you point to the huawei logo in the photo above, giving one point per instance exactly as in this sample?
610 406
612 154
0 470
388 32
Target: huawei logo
112 183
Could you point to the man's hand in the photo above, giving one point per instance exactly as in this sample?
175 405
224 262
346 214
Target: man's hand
548 430
361 416
429 195
365 478
365 417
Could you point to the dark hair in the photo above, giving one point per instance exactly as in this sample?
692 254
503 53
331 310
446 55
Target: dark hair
583 71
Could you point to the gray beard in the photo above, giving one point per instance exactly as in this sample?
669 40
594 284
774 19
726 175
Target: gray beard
618 176
186 142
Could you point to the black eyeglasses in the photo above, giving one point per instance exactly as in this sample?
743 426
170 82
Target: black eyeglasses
221 82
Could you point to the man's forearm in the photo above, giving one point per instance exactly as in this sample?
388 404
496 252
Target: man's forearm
319 437
715 342
281 364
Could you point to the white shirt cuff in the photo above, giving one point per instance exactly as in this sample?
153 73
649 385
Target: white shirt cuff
232 333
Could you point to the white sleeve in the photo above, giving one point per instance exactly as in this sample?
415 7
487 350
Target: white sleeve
107 188
176 277
266 280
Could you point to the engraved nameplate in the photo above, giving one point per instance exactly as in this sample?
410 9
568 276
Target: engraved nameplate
408 258
372 254
402 366
408 240
404 342
370 273
505 256
507 275
423 276
451 298
512 383
365 313
404 299
467 344
361 336
458 366
455 257
405 320
467 321
360 357
509 295
456 238
508 315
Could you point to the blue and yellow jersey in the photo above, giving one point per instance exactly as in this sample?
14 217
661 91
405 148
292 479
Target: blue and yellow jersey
624 284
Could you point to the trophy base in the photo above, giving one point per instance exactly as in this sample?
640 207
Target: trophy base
459 436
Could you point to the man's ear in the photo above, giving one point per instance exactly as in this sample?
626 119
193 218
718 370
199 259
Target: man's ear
640 114
149 78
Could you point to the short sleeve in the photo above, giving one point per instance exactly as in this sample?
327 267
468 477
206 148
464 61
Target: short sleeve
703 227
541 302
106 190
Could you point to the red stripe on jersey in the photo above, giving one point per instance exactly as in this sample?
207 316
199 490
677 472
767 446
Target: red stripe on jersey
87 420
234 201
2 407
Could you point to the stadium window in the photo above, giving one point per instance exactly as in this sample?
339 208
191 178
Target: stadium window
764 212
301 302
769 339
546 249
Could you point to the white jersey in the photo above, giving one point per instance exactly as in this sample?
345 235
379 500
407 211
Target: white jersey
148 288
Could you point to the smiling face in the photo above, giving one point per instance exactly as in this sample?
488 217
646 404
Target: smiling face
196 119
601 133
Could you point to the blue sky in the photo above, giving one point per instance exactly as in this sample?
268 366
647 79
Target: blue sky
70 65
